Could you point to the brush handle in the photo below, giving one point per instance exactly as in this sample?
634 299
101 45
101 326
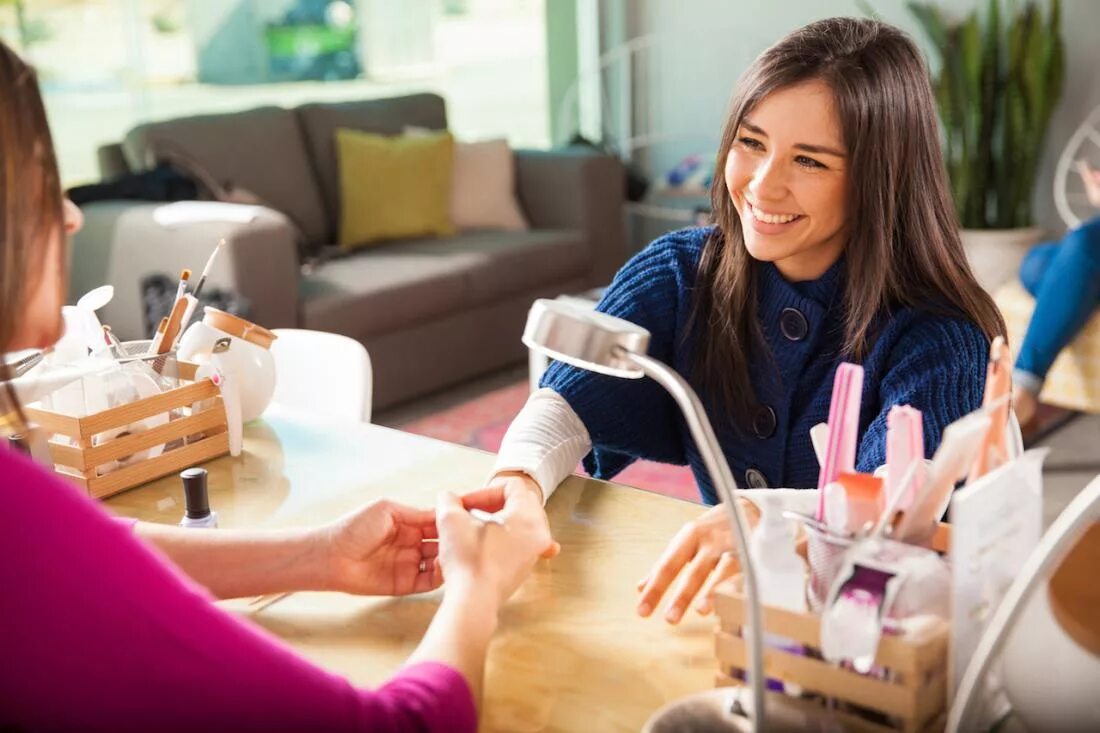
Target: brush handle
175 320
998 387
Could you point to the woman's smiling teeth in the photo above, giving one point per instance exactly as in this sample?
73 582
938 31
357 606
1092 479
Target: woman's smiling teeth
770 218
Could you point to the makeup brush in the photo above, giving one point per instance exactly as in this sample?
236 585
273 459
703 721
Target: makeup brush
182 287
158 337
206 270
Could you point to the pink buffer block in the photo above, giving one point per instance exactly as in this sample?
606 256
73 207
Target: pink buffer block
840 456
904 446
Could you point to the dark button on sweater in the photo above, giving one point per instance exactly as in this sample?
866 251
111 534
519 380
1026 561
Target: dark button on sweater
763 422
755 479
793 324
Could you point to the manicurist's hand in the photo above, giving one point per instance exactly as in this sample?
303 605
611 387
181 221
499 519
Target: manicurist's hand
519 494
484 563
485 558
701 555
382 548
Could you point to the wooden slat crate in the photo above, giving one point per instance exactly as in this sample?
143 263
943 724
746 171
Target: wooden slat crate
79 457
910 695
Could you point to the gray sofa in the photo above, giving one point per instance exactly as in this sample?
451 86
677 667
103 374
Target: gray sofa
431 312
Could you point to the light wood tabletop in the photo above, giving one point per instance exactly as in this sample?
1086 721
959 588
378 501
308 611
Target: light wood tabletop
570 654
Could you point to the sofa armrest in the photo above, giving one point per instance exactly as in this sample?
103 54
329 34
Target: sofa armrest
121 243
576 188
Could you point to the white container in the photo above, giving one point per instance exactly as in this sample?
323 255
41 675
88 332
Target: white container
780 570
249 356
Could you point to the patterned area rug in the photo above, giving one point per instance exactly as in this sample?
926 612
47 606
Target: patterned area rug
481 423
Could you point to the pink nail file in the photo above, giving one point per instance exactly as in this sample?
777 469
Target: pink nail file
904 445
840 457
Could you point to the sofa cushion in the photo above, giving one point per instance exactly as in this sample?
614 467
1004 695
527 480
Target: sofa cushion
380 116
259 150
393 187
392 286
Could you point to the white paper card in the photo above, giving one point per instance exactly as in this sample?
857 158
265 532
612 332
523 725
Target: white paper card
996 523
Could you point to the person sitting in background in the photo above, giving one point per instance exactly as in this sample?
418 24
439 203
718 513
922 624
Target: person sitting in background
109 626
1064 278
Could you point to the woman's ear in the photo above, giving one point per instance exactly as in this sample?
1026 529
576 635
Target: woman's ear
72 216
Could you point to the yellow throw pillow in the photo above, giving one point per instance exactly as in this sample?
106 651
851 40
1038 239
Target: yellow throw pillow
393 187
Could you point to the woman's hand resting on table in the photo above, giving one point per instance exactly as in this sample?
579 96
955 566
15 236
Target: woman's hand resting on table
702 553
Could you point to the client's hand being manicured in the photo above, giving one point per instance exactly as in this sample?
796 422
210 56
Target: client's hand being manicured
381 549
490 558
519 494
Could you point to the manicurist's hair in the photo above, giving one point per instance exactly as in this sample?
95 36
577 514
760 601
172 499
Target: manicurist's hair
30 196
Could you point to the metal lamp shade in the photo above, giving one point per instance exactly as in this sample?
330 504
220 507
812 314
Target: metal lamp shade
585 338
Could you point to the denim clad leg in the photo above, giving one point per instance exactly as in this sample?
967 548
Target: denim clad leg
1064 278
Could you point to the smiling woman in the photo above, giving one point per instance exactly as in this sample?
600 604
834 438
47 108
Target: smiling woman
833 240
788 191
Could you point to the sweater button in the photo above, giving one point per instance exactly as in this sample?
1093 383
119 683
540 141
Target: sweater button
756 479
793 324
763 422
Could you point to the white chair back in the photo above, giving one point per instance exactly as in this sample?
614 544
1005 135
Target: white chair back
322 373
1069 190
1070 525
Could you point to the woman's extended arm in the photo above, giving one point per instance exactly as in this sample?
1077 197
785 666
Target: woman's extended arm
376 550
99 633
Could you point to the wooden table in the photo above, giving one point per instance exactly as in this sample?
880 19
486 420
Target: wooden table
570 655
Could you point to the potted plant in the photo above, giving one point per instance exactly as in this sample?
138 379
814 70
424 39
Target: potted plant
999 79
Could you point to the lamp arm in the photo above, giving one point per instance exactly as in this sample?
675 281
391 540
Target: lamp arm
1061 536
719 470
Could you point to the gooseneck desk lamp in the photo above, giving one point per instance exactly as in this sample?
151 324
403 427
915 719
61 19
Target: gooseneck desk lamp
608 345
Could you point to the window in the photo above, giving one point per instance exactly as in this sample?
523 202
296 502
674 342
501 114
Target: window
107 65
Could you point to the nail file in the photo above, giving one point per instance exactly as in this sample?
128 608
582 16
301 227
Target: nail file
486 517
998 387
904 447
962 440
819 438
843 429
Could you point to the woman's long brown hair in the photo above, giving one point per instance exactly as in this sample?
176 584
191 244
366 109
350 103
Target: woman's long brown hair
903 245
30 197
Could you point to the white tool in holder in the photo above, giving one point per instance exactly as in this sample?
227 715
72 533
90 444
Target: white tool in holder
219 371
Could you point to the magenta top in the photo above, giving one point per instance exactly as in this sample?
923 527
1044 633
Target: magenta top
99 632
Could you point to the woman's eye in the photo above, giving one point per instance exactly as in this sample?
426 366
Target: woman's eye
750 143
808 162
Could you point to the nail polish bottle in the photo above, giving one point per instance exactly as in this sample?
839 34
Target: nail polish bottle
32 443
198 512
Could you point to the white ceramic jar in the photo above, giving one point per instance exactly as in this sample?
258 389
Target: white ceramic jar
249 355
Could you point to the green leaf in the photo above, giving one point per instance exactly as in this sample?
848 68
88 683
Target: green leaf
929 18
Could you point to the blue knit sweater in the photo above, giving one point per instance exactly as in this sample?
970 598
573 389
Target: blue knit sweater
932 362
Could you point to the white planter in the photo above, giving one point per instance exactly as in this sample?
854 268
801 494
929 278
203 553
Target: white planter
995 254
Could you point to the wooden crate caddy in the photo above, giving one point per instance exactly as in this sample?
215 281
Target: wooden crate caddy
78 457
911 696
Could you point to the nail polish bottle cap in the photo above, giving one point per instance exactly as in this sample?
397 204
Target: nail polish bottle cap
194 491
19 442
